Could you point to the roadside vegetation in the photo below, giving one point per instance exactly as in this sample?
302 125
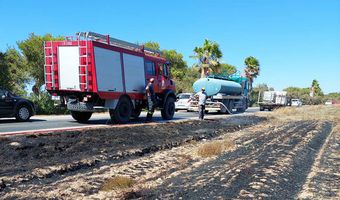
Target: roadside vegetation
319 112
215 148
118 182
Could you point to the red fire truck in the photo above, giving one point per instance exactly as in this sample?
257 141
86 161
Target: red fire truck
93 71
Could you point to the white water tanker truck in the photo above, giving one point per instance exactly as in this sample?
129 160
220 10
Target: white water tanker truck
225 93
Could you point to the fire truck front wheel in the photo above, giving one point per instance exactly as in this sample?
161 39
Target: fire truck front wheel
168 110
81 117
136 112
123 111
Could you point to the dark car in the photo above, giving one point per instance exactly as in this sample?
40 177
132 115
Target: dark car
12 105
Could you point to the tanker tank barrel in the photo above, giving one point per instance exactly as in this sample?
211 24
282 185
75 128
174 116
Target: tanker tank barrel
214 86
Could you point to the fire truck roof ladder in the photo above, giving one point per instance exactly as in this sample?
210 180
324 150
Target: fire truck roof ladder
115 42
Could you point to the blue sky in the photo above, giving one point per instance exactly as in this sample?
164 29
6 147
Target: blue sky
296 41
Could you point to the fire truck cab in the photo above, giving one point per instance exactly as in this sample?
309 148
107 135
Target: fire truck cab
94 71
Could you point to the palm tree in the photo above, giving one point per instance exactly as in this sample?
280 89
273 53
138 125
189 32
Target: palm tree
252 70
208 56
315 89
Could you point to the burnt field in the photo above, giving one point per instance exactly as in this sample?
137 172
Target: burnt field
289 153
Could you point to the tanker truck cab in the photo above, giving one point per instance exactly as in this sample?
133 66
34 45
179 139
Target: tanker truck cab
95 71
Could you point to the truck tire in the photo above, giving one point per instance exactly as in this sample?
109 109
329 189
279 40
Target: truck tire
241 110
81 117
136 112
168 110
23 113
123 111
231 106
244 106
223 107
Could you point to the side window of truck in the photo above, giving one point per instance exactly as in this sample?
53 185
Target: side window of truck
165 70
160 69
150 68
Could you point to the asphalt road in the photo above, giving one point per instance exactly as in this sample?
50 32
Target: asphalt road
62 122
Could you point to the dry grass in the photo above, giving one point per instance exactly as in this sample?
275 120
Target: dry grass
215 148
228 144
118 182
184 157
193 142
210 149
320 112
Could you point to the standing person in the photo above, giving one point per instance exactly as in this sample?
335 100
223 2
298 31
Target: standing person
150 94
202 98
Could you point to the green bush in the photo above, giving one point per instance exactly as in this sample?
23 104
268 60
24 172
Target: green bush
45 105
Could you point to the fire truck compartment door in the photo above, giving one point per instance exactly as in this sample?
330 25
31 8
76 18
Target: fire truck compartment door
108 70
134 73
68 67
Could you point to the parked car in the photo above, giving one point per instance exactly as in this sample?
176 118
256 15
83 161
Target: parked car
328 102
183 101
296 102
12 105
331 102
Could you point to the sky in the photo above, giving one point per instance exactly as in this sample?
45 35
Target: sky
295 41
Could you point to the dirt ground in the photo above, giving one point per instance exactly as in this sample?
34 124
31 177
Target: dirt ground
291 153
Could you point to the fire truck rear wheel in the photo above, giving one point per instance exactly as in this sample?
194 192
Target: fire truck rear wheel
123 111
81 117
136 112
169 108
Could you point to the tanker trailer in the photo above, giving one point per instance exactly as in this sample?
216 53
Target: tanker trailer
224 93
